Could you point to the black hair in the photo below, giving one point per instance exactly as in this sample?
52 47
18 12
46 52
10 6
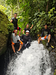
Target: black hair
15 13
27 24
15 29
45 24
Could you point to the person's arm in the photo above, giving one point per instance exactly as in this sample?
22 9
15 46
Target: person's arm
31 26
19 40
19 32
18 28
11 21
23 31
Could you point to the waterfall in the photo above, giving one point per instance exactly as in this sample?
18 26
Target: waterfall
32 61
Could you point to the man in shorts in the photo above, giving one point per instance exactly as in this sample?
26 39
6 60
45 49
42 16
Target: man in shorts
14 20
15 40
45 35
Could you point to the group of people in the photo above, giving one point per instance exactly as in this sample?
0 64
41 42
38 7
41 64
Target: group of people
17 41
21 42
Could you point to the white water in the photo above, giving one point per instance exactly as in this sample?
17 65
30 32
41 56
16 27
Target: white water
33 61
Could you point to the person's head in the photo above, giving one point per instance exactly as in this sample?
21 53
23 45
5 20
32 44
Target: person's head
16 31
15 15
27 26
45 26
27 33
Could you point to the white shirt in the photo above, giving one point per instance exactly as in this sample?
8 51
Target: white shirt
15 38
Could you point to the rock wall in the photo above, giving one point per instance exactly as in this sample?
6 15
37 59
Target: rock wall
3 32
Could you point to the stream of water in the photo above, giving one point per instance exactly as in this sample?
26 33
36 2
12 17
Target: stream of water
34 60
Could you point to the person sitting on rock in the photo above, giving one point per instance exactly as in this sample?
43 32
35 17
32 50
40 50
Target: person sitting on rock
45 35
26 39
16 42
27 28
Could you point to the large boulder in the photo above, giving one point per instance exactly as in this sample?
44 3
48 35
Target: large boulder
4 23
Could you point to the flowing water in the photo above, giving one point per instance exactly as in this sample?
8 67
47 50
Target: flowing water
32 61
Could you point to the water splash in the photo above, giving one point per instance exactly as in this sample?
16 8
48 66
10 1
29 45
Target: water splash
33 61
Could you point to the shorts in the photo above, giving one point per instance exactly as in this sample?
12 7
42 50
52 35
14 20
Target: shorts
42 38
16 45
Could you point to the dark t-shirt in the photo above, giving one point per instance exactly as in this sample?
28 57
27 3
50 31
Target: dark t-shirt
25 38
45 32
27 29
14 22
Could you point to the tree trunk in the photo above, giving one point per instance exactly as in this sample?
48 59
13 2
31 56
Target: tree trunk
17 6
47 6
12 13
39 7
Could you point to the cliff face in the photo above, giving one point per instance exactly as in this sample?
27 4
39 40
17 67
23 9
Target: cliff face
3 32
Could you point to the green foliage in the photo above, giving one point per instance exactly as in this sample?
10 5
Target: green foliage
6 10
41 18
34 10
10 27
55 72
3 23
2 8
13 2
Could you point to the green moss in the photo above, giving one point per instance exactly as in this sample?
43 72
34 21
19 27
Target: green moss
44 42
5 28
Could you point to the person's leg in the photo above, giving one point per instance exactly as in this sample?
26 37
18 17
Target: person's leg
49 37
17 46
20 47
28 45
13 48
39 40
23 47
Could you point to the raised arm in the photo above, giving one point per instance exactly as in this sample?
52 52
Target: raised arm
31 26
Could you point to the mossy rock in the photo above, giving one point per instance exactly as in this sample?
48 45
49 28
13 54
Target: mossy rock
44 42
55 72
4 22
